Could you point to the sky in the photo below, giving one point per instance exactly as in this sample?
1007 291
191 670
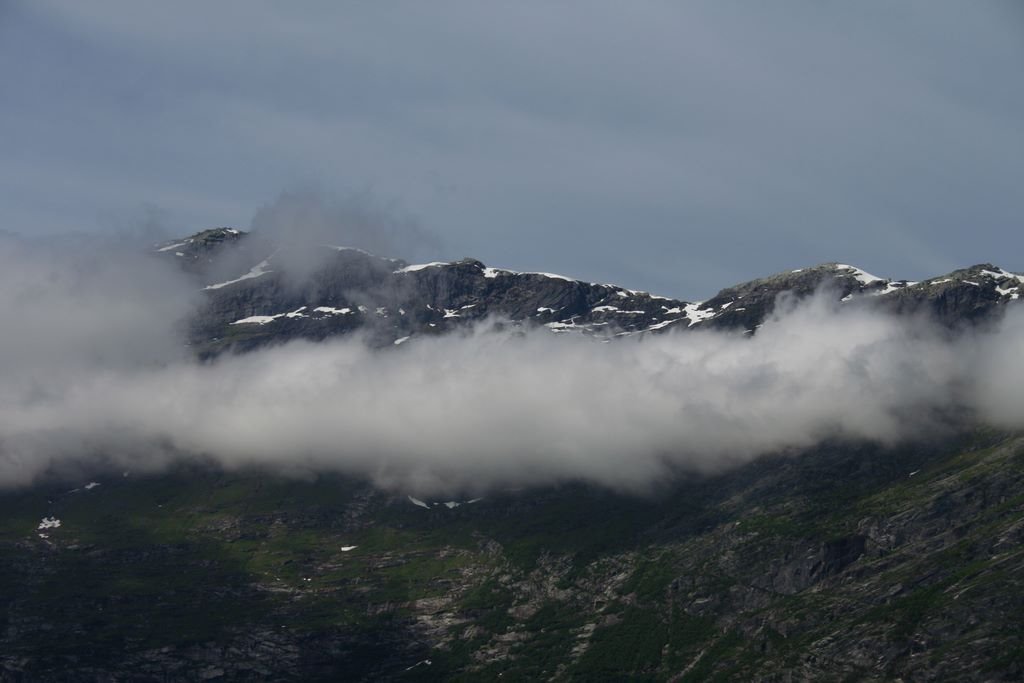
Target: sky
673 147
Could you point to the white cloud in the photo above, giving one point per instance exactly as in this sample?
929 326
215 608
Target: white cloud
95 371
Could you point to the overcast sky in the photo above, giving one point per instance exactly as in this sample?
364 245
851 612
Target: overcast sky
676 147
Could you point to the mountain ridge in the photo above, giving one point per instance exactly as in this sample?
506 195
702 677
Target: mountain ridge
252 298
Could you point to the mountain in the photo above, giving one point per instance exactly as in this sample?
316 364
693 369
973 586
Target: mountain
258 293
845 561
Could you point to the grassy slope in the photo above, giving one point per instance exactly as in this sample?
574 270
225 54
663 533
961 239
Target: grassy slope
732 577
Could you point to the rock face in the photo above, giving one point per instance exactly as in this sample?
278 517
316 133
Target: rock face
259 293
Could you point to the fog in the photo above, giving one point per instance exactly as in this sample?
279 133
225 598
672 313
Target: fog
365 220
97 375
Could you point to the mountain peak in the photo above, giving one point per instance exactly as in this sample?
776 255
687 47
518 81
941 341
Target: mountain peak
254 297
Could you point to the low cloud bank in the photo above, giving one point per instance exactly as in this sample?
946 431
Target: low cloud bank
97 372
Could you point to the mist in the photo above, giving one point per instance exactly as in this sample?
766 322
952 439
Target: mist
307 219
97 375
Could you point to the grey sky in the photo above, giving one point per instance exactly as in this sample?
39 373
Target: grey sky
675 147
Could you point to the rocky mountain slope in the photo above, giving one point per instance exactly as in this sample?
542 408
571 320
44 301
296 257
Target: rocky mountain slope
847 562
258 293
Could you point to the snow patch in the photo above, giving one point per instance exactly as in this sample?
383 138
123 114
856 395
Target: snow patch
257 320
420 266
348 548
261 268
861 276
1001 274
894 287
48 523
264 319
495 272
1013 292
401 340
695 315
451 504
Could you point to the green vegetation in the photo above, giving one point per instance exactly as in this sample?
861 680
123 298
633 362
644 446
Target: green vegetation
569 583
651 579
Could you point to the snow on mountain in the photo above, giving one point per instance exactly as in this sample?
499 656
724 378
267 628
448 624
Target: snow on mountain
392 301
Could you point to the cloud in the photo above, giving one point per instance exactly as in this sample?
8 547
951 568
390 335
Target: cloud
95 373
79 305
306 220
999 385
309 217
75 309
